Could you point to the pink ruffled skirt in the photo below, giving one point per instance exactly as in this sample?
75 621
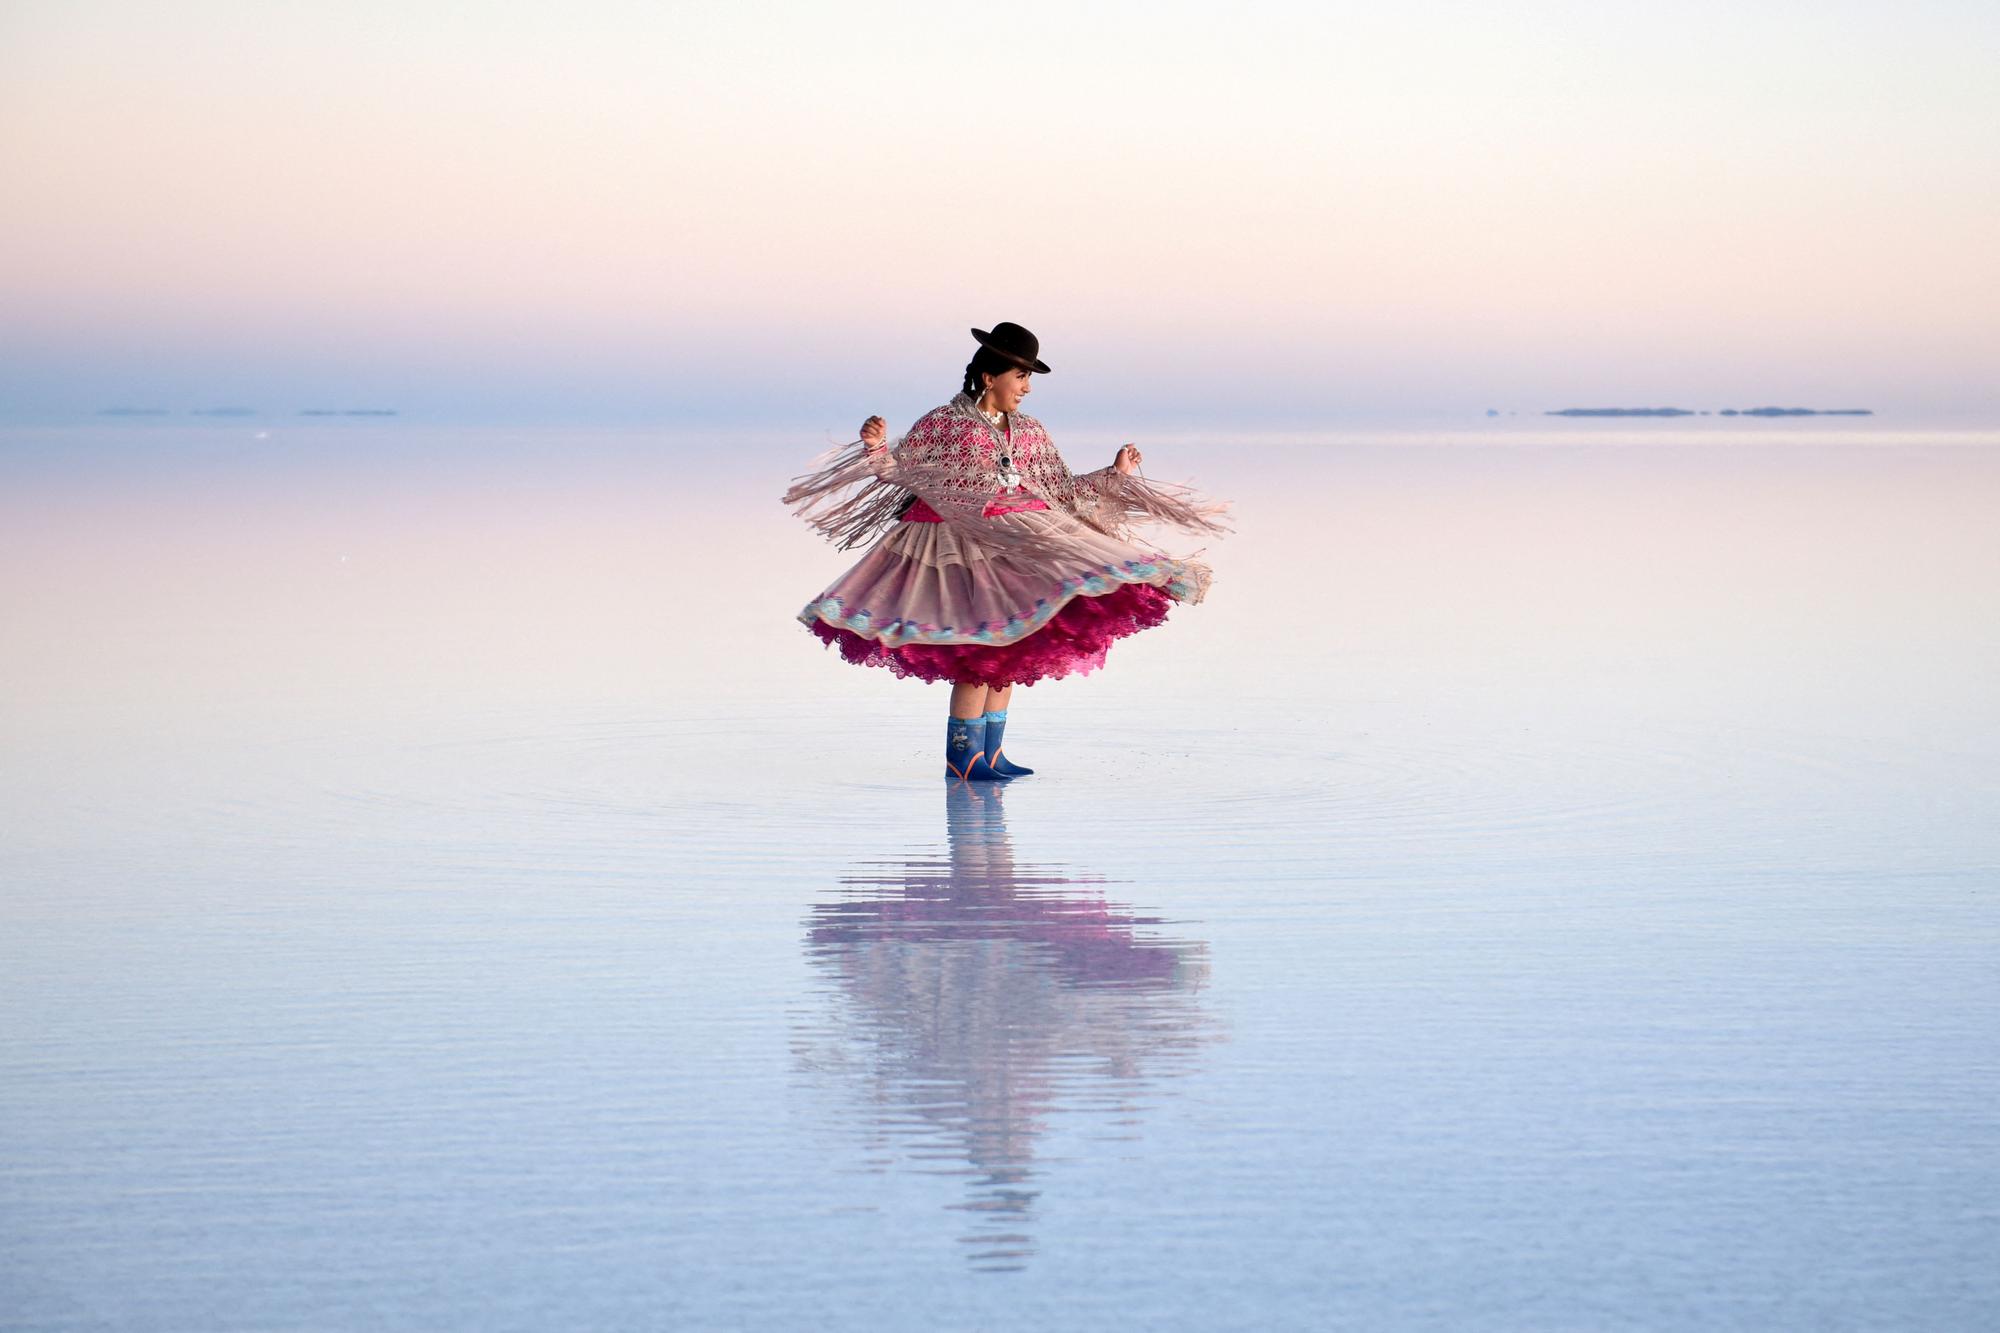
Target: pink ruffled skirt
931 603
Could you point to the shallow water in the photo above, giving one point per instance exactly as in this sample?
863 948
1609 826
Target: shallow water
1551 883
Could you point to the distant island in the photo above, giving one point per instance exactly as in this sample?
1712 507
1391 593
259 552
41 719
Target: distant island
1620 412
1799 412
1726 412
122 411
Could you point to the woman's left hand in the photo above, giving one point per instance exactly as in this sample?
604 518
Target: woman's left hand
1128 459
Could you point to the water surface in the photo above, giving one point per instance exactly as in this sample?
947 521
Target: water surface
1551 883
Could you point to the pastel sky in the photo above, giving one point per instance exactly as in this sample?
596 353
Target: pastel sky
1292 214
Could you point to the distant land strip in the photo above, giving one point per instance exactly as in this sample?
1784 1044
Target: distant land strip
248 412
1725 412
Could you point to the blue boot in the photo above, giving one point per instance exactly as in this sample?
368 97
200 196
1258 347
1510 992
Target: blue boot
996 727
965 750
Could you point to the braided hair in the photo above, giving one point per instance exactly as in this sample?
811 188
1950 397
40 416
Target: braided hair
985 361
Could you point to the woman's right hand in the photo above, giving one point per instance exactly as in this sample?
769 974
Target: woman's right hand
874 432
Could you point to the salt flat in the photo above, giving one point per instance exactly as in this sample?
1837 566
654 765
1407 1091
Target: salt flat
1551 883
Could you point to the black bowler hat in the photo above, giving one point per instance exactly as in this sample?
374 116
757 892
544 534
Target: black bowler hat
1014 343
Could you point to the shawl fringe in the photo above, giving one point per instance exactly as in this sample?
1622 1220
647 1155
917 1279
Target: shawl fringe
857 494
850 498
1125 500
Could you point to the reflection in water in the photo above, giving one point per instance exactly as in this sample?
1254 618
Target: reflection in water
979 999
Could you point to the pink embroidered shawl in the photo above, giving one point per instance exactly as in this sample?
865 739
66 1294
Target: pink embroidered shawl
950 458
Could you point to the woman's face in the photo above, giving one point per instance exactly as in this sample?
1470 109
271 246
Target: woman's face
1005 391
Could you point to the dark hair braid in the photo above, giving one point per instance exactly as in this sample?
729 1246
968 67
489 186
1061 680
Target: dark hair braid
985 361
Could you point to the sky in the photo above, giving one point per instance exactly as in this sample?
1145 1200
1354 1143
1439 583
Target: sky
1277 214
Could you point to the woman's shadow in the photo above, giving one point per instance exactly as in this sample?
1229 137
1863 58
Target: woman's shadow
981 1003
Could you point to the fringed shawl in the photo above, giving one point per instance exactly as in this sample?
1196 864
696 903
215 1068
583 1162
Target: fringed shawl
950 459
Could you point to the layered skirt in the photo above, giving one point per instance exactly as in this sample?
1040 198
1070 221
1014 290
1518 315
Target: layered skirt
932 603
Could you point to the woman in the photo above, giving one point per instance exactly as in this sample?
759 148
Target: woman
999 567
